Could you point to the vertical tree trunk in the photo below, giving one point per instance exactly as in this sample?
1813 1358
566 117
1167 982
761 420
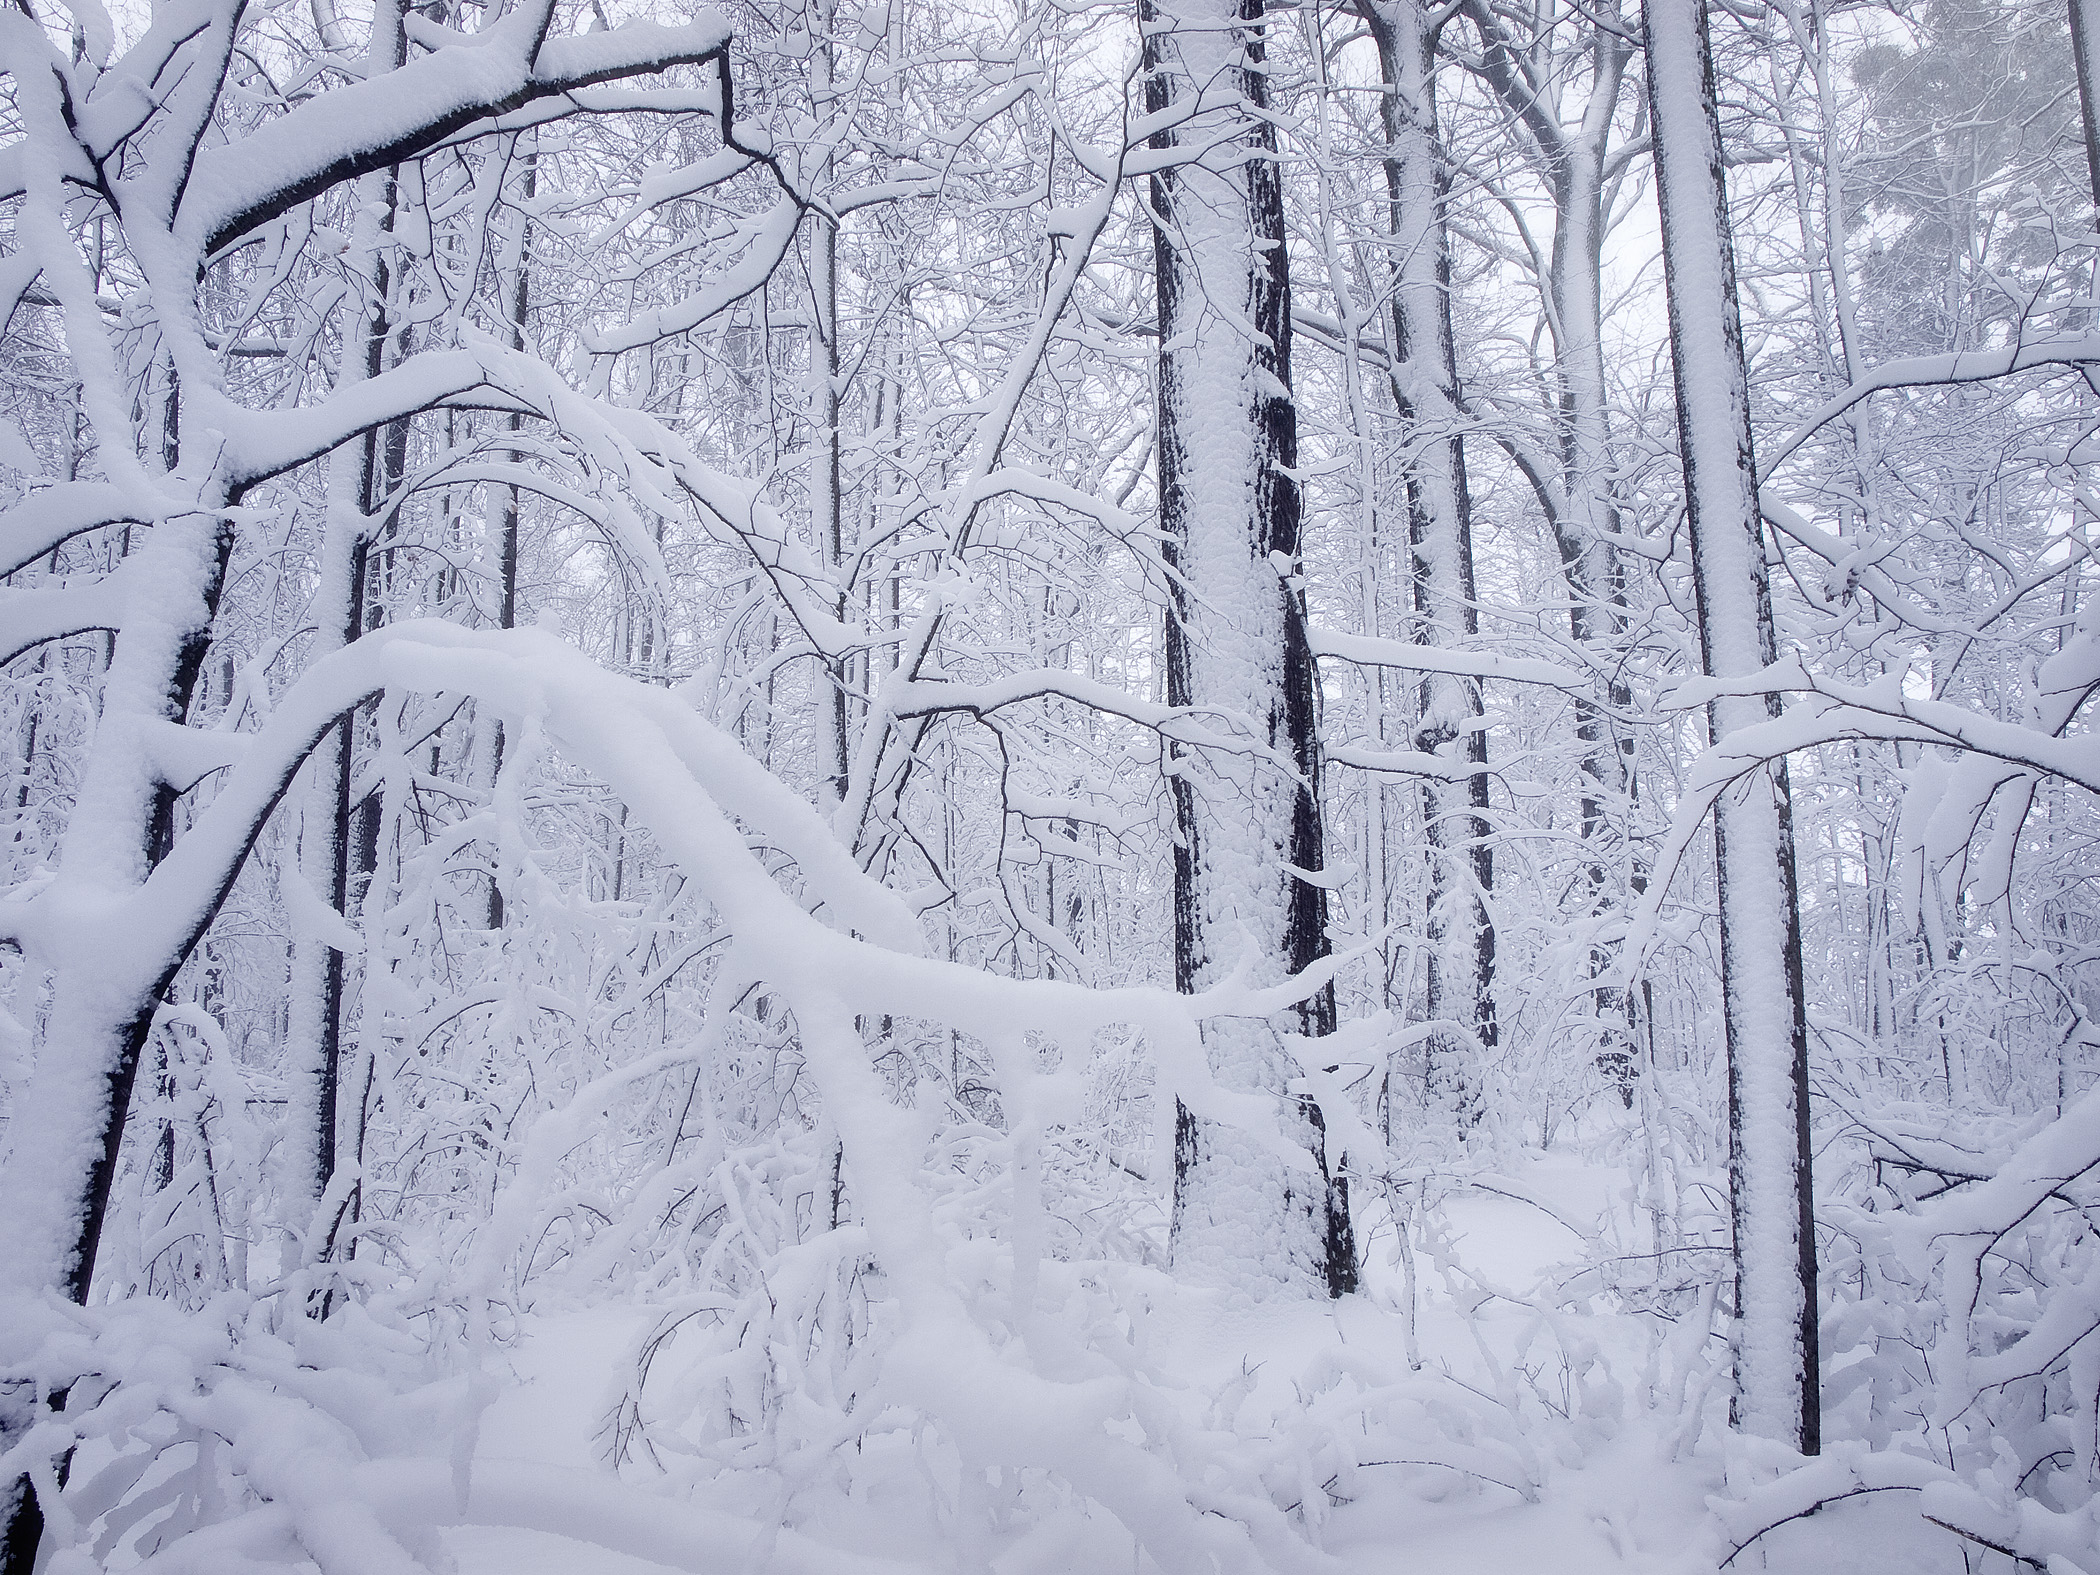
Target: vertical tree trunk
1582 507
324 858
1770 1194
1461 961
1236 642
826 496
327 845
1596 576
2085 56
520 300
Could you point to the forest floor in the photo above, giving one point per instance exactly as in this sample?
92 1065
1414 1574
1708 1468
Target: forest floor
1624 1494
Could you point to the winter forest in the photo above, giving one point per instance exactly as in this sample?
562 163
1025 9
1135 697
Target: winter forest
1032 786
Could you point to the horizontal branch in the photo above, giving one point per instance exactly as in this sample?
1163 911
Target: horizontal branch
52 516
30 618
386 120
1365 650
1928 371
1403 762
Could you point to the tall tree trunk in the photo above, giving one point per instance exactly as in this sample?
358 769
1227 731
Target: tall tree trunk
2085 55
1577 493
94 1037
1589 557
1461 961
1236 642
826 495
519 294
1769 1175
327 851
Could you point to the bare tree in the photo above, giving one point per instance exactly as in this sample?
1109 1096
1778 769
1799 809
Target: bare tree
1248 858
1770 1194
1461 957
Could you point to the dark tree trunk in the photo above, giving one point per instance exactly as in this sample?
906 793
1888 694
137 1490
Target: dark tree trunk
2085 56
1236 641
330 854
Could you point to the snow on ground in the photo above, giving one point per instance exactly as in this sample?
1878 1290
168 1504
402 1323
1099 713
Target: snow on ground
1608 1498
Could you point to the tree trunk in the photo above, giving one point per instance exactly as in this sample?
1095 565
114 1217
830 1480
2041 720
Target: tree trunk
68 1125
1579 502
1236 642
518 293
360 478
826 494
2085 55
1770 1193
1461 960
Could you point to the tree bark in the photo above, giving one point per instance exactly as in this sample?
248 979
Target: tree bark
2085 56
100 1021
1461 961
826 488
1236 646
1770 1195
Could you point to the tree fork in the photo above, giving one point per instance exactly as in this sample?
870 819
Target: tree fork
24 1529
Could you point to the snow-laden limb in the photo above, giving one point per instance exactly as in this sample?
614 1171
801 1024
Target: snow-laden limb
1968 1337
941 1364
116 939
353 1469
679 776
654 748
1853 563
2026 1531
1943 805
1881 710
923 697
29 618
1366 650
1010 481
259 1419
1949 370
260 445
54 515
1957 1230
389 118
764 243
1405 763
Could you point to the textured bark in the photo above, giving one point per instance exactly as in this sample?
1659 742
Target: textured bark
2085 54
1769 1157
24 1527
325 857
1461 961
513 501
1236 641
